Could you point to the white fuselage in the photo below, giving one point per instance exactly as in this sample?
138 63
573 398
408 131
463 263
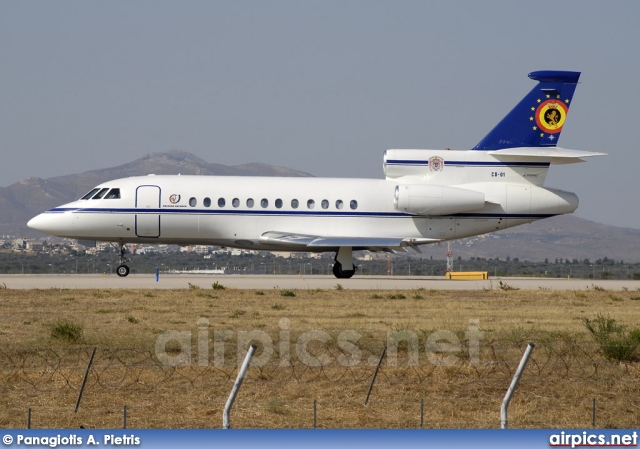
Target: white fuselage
475 192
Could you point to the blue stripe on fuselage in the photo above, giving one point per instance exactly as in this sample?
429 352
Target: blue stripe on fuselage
470 163
242 212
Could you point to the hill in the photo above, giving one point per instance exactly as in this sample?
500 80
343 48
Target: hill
561 237
566 237
23 200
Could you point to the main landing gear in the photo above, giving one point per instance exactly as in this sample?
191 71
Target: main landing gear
123 269
344 268
340 273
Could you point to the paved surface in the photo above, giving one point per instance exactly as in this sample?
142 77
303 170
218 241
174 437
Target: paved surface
178 281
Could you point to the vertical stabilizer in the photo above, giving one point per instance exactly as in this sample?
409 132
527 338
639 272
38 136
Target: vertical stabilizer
538 119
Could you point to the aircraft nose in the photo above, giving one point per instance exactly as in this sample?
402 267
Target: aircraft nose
51 223
38 223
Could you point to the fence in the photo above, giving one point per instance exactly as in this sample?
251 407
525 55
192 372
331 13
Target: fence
560 383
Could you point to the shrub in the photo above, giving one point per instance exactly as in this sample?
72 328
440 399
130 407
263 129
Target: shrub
396 296
67 331
238 314
193 286
218 286
615 341
275 405
288 293
505 286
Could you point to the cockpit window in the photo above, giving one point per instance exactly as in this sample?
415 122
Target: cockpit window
100 194
113 194
90 194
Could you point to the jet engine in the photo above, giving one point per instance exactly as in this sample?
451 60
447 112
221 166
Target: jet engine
436 199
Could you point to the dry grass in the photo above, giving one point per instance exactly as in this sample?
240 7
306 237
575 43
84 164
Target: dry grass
41 372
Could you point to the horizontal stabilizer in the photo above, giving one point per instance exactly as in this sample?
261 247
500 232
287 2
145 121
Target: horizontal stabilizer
555 155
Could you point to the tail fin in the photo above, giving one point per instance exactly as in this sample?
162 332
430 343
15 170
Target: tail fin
538 119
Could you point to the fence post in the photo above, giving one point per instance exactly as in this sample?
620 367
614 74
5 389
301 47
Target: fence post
236 386
514 384
124 417
84 381
29 420
375 374
421 413
593 413
315 413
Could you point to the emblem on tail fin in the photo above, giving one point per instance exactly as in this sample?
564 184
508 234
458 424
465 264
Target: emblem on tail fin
550 116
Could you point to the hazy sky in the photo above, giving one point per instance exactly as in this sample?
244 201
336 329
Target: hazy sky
323 87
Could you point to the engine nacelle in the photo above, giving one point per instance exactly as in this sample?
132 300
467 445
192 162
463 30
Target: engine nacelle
436 199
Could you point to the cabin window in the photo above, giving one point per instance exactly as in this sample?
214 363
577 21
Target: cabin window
278 203
207 202
325 204
353 204
221 202
114 194
235 202
339 204
250 202
264 203
193 202
90 194
294 204
311 204
100 194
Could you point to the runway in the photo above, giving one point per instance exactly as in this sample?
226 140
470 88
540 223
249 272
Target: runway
255 282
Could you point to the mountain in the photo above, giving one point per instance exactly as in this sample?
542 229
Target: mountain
561 237
23 200
566 236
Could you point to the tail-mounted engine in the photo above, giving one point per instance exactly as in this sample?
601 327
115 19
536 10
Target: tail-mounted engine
436 199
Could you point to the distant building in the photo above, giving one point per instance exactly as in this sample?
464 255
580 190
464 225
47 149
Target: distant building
35 246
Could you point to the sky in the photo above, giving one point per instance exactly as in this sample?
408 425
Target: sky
322 87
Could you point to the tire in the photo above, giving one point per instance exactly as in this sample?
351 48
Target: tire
340 273
122 271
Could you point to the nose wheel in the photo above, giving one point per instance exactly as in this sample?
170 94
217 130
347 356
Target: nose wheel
123 269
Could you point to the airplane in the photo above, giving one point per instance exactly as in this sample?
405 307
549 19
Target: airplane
427 196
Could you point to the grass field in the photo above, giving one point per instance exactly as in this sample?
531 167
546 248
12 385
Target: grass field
171 357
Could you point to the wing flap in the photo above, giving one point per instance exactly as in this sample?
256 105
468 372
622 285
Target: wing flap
316 242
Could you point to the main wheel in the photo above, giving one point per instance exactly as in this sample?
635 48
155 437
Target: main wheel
340 273
122 270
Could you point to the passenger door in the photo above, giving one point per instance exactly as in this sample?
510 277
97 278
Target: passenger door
147 211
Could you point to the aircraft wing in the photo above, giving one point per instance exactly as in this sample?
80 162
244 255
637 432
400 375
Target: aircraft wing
311 242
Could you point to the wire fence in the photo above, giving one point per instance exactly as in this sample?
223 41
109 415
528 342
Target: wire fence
566 384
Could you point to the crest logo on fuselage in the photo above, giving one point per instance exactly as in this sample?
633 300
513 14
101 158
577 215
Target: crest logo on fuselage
175 199
436 163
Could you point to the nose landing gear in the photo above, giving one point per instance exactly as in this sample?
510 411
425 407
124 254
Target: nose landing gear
123 269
